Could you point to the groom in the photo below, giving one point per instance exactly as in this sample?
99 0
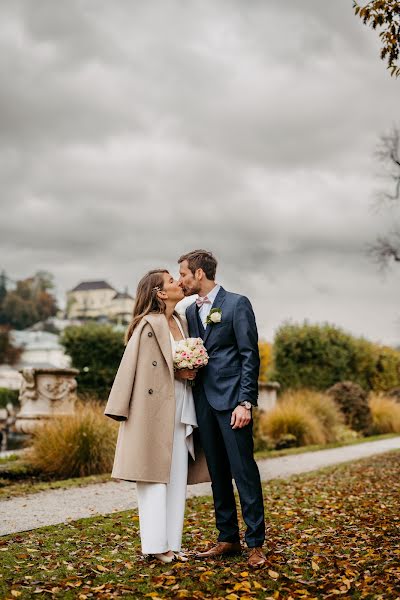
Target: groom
224 393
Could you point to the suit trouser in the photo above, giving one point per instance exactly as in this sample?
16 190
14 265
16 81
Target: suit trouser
162 505
230 454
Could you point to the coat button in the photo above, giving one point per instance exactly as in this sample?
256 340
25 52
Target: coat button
154 363
150 334
150 391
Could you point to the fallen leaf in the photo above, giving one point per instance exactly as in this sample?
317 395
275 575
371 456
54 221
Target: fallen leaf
273 574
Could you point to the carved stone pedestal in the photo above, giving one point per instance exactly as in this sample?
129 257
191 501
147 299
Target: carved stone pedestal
45 393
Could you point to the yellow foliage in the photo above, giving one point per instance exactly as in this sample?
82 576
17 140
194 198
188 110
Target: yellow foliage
265 350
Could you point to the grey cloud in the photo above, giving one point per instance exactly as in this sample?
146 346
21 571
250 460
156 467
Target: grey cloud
131 132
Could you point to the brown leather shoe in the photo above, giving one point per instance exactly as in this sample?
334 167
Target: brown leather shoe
219 549
256 558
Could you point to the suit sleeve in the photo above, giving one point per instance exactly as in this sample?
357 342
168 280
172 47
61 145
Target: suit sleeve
245 328
118 403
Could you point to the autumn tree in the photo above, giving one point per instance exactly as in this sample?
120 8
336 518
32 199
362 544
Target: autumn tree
265 351
32 300
9 354
384 15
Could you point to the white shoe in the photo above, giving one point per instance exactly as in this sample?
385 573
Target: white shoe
164 557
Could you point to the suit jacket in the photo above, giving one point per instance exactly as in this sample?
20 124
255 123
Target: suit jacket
143 399
231 375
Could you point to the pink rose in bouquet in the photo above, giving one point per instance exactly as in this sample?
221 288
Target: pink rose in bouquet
190 354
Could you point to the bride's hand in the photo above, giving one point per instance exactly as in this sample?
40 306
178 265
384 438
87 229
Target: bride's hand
183 374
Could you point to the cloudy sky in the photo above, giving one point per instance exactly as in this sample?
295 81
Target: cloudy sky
131 132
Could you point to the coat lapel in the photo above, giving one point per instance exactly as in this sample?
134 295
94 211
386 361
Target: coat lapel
218 302
161 331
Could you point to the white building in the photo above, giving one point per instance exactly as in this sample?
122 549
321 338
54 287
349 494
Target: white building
39 349
97 300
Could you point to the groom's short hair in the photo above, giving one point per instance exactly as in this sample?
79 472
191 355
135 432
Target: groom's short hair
201 259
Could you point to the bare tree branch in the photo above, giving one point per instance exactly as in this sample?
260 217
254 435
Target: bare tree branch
383 251
388 153
386 249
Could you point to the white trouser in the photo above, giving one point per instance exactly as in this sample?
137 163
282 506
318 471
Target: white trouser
162 506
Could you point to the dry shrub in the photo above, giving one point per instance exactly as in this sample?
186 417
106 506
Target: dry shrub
292 418
385 414
353 402
75 445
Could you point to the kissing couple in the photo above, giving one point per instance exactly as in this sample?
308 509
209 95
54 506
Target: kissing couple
187 425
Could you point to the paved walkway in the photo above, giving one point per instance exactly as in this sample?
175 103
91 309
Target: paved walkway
58 506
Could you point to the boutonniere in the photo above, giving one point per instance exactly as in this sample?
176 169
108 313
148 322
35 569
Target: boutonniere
215 316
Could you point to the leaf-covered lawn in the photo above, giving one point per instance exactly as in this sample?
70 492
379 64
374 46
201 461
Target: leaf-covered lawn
331 534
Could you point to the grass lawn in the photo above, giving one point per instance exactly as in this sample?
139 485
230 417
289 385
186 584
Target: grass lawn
330 534
10 489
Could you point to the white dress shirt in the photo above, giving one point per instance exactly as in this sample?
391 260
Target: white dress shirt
204 310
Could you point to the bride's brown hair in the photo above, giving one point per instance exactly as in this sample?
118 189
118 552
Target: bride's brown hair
147 300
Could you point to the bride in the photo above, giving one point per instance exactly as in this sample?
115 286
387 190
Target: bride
156 445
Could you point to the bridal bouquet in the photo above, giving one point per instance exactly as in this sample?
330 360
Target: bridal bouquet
190 354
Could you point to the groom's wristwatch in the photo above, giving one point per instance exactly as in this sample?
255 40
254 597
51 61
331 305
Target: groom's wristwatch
246 404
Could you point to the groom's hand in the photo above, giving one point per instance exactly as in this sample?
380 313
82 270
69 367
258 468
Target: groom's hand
241 417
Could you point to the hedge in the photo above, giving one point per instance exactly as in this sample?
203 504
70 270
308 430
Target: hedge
95 350
8 396
318 356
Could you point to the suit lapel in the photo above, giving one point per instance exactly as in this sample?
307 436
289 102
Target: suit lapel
161 332
192 321
218 302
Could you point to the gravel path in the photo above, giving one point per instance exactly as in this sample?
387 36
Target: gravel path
58 506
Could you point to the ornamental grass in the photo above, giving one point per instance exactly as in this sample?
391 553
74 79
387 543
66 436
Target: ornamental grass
385 413
322 407
289 418
311 417
75 445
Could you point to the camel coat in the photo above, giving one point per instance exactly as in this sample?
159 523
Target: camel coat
143 399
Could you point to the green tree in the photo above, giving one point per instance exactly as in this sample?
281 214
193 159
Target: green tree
96 350
385 15
3 287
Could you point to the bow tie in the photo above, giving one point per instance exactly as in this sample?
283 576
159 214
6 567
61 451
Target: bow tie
201 301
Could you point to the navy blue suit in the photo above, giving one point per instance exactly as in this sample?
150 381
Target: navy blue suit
230 377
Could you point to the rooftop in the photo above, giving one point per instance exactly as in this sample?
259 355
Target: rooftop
92 285
122 295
